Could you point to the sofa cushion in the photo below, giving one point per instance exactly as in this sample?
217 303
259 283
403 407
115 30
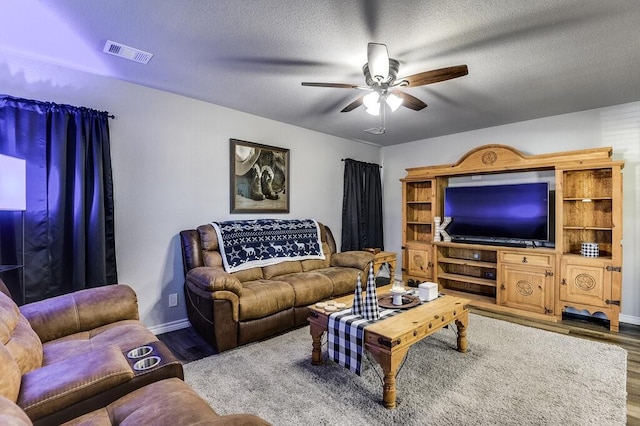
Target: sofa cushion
343 279
81 311
250 274
313 264
212 258
309 287
282 268
208 237
261 298
25 346
18 337
9 314
168 402
209 243
123 334
10 377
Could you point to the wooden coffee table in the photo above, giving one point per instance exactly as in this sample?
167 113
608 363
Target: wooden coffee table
389 340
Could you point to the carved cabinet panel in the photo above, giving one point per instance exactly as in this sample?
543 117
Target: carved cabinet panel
586 281
418 262
526 280
529 288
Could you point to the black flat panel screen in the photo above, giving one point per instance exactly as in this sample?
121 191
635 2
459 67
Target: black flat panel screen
519 211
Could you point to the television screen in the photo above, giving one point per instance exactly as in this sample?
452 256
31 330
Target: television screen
517 211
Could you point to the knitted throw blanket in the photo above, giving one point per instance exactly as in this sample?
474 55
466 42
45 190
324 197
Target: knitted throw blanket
246 244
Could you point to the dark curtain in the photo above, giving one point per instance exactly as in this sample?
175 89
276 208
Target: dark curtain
69 222
361 206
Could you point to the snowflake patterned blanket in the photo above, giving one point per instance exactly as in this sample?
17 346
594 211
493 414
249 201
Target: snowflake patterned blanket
246 244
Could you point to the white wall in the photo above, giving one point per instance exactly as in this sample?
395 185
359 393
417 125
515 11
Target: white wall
170 159
617 126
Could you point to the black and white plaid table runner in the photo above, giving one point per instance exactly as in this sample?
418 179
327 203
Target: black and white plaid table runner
346 337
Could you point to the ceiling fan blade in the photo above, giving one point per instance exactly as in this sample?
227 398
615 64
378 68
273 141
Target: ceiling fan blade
353 105
338 85
410 101
378 60
435 76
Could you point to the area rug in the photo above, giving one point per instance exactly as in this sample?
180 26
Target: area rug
511 375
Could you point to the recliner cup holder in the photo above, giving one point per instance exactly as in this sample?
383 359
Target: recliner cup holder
139 352
146 363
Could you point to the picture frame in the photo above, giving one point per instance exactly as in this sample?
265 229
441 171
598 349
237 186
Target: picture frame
259 178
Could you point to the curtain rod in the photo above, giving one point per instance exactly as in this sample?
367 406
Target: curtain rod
345 159
33 101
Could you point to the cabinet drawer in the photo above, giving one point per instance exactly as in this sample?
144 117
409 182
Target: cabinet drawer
521 258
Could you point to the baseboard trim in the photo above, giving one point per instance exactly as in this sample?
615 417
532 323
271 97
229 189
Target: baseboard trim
170 326
629 319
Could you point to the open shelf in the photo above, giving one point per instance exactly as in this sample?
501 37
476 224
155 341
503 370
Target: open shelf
419 191
417 211
467 268
466 262
468 279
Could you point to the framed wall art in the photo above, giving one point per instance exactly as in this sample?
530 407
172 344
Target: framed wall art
259 178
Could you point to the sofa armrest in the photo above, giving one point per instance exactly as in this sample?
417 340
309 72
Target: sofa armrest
352 259
54 387
212 278
81 311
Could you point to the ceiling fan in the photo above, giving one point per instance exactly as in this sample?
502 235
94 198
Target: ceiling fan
380 74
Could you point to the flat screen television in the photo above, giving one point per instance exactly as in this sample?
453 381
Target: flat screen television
498 213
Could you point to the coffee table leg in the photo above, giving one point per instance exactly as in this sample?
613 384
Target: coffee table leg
461 323
389 363
389 390
316 351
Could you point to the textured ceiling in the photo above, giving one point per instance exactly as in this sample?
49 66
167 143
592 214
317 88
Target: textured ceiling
526 59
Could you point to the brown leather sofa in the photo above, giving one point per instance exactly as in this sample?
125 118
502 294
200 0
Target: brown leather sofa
232 309
65 359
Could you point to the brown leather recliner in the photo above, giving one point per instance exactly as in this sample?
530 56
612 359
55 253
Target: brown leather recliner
65 359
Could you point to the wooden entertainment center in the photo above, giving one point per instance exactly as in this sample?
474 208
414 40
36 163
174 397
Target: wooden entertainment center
533 281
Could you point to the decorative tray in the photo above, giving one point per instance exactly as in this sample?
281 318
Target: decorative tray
408 301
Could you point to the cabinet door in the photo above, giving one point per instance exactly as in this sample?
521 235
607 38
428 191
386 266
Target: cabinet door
585 281
418 262
526 287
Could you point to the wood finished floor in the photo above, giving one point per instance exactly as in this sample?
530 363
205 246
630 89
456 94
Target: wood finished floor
188 346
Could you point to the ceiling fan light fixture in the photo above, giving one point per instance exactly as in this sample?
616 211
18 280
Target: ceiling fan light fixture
372 102
394 101
373 111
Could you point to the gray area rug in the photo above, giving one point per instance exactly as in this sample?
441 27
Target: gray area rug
511 375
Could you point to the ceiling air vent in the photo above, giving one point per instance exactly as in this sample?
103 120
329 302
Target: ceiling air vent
126 52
